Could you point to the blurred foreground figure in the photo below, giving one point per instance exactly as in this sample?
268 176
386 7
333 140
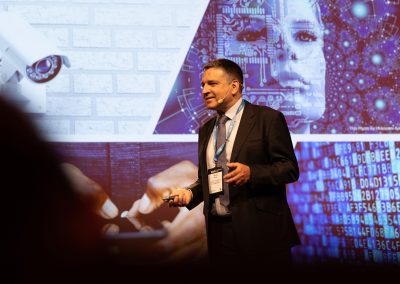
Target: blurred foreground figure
49 230
52 231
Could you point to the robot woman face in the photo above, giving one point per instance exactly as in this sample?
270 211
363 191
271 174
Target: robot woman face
279 45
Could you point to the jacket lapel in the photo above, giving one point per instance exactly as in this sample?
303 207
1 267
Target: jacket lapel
246 124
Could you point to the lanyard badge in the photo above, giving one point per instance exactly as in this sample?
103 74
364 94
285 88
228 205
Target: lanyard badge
215 180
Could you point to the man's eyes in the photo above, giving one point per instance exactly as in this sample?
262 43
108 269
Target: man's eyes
210 84
305 36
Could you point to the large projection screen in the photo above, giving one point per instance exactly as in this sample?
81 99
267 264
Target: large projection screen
130 106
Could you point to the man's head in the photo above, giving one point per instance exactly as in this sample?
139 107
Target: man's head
222 84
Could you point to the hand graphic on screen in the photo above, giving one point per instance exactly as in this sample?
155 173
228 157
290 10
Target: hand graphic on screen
186 238
161 185
186 233
90 189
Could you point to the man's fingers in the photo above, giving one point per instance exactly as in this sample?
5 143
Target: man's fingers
233 175
237 177
232 165
168 198
180 198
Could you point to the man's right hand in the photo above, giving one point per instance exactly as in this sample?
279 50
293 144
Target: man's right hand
181 197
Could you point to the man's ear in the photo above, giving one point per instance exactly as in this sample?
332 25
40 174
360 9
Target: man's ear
235 87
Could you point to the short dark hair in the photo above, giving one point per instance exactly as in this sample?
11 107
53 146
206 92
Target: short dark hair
230 67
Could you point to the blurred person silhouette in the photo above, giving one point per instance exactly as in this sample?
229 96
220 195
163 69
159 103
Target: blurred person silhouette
50 231
53 229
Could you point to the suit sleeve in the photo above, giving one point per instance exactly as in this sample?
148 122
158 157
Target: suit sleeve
196 187
282 167
197 194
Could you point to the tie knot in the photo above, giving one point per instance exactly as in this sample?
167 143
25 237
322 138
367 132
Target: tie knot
222 119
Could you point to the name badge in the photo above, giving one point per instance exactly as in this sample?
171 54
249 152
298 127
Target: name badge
215 180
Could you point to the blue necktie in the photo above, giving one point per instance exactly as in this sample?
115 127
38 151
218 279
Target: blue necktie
222 160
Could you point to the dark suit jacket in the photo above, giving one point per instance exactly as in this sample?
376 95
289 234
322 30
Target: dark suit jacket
260 213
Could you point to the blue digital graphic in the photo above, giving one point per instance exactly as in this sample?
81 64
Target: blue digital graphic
329 66
346 204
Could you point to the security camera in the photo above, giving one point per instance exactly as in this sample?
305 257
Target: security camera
25 52
27 60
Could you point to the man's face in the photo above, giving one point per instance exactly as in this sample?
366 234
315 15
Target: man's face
280 49
216 86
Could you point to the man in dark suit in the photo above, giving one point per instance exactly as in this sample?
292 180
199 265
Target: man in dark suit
242 177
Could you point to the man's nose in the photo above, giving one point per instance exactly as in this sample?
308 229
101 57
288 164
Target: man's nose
205 90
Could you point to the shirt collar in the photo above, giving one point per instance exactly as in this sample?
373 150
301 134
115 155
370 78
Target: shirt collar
232 111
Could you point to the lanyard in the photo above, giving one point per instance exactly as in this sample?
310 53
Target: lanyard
219 151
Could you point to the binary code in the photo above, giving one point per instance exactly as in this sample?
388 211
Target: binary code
346 204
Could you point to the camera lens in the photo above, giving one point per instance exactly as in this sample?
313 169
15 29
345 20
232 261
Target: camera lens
44 69
43 66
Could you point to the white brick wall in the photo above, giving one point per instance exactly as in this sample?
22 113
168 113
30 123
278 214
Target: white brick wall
90 127
124 107
134 38
54 126
52 14
59 36
136 84
124 15
136 127
156 61
101 60
60 84
171 38
67 106
93 83
122 52
91 38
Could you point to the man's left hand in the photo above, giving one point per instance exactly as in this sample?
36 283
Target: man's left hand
239 174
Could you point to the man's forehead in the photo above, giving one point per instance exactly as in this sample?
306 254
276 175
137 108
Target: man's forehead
214 73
